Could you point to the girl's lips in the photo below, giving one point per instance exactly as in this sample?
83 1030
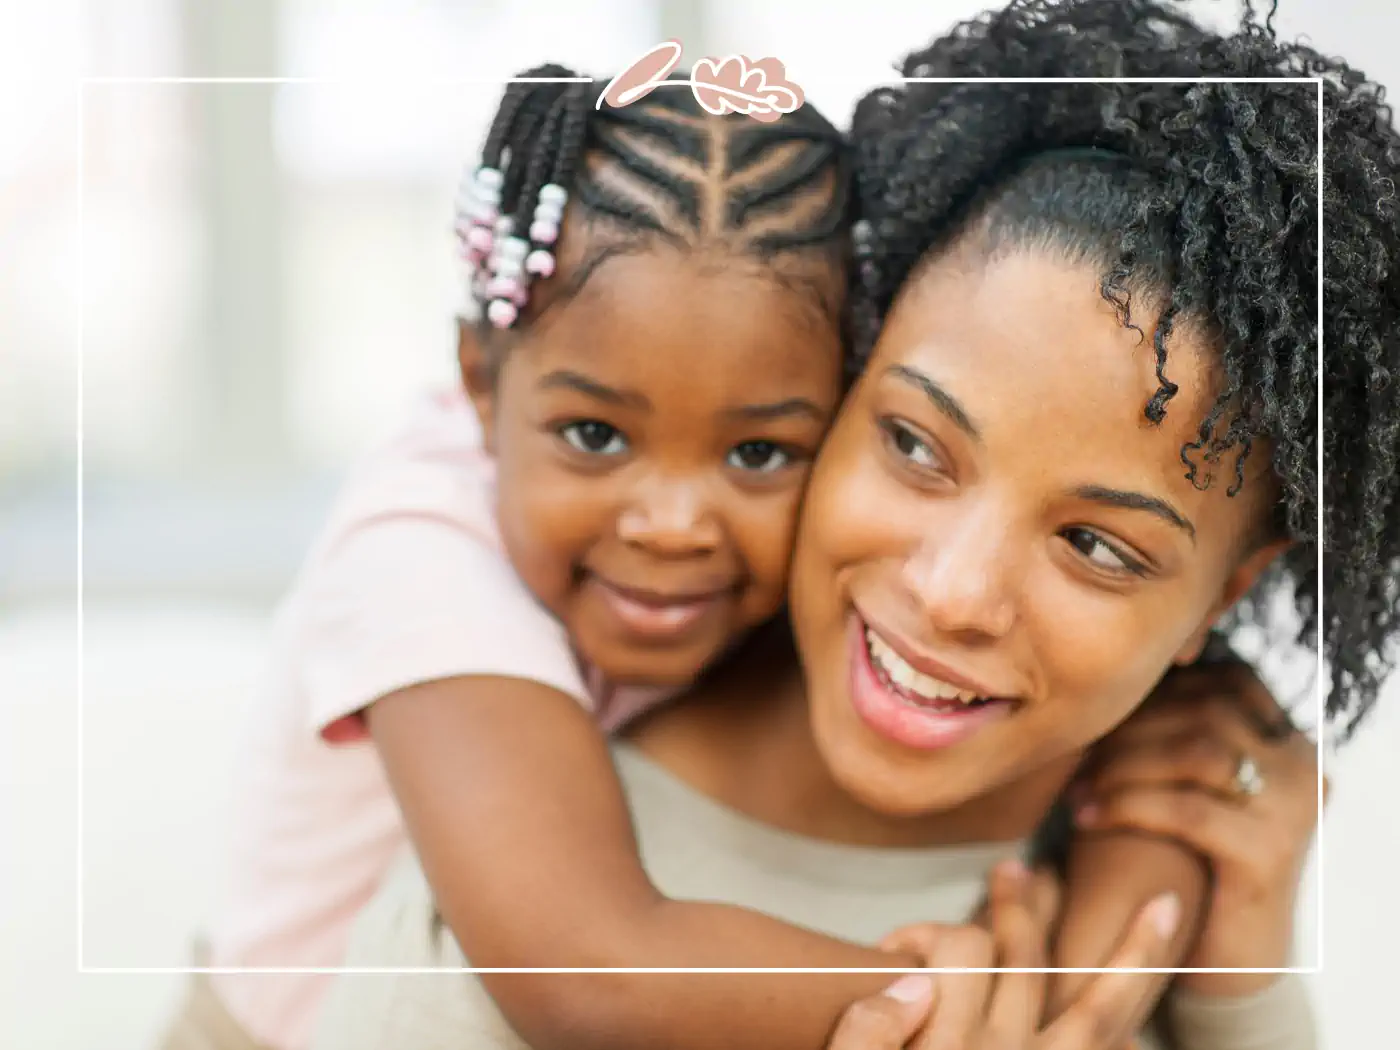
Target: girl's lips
655 616
901 721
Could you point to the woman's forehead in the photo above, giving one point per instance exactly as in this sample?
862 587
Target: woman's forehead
1043 367
1028 320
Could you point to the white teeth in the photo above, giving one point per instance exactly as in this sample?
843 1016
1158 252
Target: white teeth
898 671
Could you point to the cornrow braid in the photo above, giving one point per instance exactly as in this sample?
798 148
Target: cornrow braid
1205 197
659 168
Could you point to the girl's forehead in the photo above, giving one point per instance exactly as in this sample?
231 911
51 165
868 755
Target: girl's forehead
649 286
663 318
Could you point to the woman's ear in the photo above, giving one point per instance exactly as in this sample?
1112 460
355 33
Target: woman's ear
478 379
1244 576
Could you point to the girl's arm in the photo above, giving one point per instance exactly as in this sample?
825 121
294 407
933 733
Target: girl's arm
1109 878
511 798
1110 875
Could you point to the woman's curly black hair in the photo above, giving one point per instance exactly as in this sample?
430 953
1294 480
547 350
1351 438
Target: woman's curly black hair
1205 197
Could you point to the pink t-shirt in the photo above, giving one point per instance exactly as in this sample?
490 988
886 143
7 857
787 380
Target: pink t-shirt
406 584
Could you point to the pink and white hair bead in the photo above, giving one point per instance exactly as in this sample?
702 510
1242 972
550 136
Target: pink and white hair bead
499 263
514 259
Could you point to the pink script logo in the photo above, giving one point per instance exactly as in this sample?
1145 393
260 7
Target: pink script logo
735 84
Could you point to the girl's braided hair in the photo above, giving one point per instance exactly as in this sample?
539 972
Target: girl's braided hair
663 169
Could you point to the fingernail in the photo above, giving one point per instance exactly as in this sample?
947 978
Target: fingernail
1087 814
1012 870
1166 913
911 988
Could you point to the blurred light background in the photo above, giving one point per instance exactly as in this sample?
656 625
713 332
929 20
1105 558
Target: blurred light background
261 280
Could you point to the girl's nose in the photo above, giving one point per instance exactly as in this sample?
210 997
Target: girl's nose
670 520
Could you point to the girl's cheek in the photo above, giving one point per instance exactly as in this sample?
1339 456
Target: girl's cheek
771 534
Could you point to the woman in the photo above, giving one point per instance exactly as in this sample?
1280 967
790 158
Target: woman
1083 435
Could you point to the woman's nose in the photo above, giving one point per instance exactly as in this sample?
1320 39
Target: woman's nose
670 519
962 578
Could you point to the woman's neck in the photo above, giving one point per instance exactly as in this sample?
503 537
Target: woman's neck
743 737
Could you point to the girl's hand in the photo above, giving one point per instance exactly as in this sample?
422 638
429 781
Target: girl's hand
1223 771
991 1011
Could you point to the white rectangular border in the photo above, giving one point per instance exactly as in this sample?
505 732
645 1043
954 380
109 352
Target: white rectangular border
1321 675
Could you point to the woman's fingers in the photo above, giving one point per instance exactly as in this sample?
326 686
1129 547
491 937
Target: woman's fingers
1233 686
918 939
1045 891
886 1021
1227 701
1012 932
1021 926
1217 829
1185 786
1176 723
962 997
1106 1012
1201 759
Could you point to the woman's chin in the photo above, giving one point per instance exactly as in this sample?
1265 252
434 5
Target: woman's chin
901 786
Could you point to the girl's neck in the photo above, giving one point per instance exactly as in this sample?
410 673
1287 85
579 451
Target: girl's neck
743 738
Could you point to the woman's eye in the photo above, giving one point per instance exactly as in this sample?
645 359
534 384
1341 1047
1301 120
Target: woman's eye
909 445
1100 553
762 457
594 437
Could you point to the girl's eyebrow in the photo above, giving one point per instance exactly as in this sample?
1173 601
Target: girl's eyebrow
793 406
569 380
942 400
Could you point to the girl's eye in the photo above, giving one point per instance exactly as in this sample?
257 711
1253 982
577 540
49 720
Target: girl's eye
594 438
1100 553
909 445
762 457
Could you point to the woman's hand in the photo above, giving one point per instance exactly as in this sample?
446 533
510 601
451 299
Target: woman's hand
1223 771
886 1021
1002 1011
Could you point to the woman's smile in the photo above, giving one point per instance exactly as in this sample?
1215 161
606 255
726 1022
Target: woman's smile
909 706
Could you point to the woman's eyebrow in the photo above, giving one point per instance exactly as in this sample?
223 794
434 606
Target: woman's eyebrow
942 400
1137 501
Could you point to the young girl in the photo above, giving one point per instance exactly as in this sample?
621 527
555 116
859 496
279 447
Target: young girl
656 362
